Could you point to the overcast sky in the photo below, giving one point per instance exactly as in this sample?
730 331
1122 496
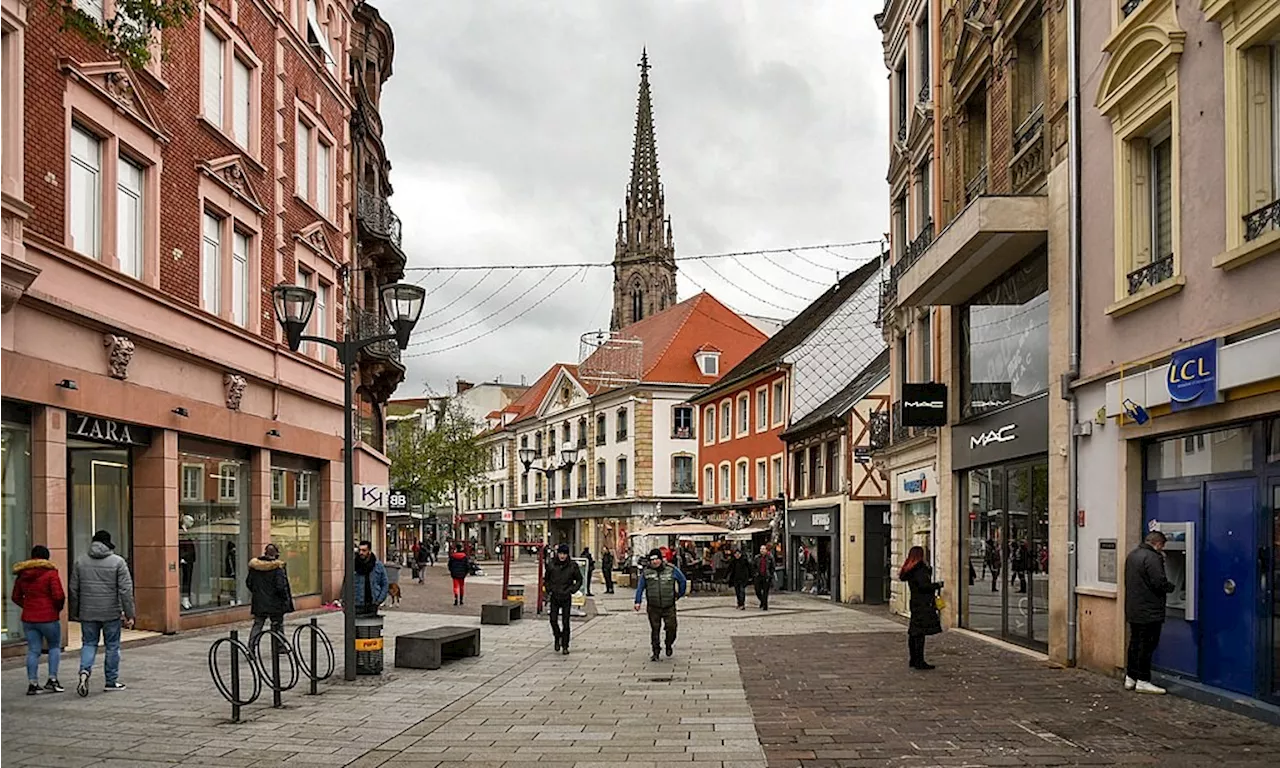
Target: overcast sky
509 125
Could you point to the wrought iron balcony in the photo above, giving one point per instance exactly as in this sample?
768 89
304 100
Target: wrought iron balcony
916 249
888 297
1265 218
376 215
682 433
622 489
1030 129
600 491
682 486
370 323
977 186
879 430
1151 274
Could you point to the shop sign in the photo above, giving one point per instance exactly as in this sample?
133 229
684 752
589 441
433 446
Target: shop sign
924 405
397 500
917 484
508 516
1022 430
106 430
807 523
1193 376
370 497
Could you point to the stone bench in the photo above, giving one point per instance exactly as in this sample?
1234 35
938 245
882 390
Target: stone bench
428 648
501 612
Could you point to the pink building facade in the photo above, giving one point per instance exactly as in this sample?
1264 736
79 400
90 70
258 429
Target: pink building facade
147 215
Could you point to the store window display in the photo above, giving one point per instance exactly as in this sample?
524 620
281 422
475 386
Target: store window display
213 526
17 513
295 525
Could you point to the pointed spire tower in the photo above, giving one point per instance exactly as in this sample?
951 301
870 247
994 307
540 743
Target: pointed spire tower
644 263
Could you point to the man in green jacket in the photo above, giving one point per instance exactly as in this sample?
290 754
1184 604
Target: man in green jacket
662 585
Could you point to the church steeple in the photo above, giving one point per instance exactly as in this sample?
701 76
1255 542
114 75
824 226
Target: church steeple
644 266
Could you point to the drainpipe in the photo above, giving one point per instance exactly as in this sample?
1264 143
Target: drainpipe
1073 286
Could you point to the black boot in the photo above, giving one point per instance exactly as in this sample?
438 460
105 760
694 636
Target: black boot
654 657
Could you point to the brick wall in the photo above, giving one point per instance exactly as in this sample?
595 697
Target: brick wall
288 71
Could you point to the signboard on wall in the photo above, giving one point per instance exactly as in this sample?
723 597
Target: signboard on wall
1107 561
371 497
106 430
397 500
1022 430
1192 380
924 405
912 484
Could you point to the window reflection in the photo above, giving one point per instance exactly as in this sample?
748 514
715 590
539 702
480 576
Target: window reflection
295 526
213 530
1004 339
1204 453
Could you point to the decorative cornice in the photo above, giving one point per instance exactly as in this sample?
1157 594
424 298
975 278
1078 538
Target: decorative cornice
114 83
228 171
17 278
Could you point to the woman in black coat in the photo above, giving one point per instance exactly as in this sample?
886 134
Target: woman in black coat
924 607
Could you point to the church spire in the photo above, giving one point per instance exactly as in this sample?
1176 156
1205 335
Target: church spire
644 264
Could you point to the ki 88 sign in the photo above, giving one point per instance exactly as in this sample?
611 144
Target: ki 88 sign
397 501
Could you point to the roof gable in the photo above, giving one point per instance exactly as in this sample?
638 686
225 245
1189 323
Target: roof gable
526 406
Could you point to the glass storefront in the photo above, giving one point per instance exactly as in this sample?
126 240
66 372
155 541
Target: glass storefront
1004 340
213 524
920 533
1005 552
16 460
100 479
295 524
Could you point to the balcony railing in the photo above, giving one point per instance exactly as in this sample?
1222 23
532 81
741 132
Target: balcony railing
977 186
682 433
376 215
923 96
682 486
1265 218
888 297
370 323
622 489
600 491
524 497
1030 129
912 253
582 441
1151 274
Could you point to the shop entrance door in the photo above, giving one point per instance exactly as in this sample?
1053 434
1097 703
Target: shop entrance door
1274 599
99 497
1229 586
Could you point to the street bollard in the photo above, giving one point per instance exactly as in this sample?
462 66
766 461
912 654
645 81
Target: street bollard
315 628
235 678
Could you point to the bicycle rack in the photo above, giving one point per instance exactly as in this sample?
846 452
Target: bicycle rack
298 666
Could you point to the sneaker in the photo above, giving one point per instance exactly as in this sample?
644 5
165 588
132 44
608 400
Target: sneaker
670 650
1129 683
557 646
116 686
1143 686
82 685
53 686
654 657
34 690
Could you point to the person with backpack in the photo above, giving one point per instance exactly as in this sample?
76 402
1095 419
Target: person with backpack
38 592
459 569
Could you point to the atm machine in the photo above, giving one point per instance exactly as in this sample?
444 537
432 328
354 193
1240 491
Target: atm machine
1179 567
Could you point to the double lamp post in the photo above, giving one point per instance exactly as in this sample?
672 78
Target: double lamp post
402 305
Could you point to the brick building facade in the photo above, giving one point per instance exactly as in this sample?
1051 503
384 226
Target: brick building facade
147 215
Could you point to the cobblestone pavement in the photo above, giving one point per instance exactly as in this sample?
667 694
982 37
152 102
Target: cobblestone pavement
518 704
844 701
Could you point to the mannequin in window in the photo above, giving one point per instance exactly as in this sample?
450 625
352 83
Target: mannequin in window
186 558
229 567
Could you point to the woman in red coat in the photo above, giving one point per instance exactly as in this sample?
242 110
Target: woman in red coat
38 591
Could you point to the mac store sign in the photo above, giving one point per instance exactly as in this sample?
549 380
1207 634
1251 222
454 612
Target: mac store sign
1010 433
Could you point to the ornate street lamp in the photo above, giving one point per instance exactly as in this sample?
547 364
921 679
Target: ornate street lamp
568 457
402 304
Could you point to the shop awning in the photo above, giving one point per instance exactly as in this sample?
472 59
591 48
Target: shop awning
746 533
686 526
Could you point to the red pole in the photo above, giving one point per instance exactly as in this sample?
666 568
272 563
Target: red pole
506 567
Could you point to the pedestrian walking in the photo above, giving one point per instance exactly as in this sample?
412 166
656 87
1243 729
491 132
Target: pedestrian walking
606 569
924 605
739 577
562 579
435 550
101 599
371 585
459 569
1146 588
764 570
37 590
421 559
661 585
271 595
591 567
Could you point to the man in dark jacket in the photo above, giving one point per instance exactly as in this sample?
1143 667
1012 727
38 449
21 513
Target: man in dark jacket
591 567
272 598
606 570
562 579
1145 590
101 594
371 580
661 584
740 577
763 569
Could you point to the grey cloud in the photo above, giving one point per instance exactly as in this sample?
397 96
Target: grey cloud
510 124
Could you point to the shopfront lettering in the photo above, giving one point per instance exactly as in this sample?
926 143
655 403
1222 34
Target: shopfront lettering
821 520
1193 376
106 430
1002 435
919 485
926 404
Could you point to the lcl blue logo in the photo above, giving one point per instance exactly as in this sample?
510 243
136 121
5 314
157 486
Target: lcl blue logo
1193 376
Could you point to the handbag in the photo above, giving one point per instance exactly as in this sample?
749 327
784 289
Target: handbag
939 603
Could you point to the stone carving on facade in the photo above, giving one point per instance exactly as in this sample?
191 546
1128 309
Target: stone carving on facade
234 176
118 85
119 353
234 384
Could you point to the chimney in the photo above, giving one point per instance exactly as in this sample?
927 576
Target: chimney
463 386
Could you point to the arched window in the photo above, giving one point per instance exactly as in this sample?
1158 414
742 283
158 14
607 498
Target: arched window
637 303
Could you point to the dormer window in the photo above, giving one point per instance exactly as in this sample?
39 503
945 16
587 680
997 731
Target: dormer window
708 358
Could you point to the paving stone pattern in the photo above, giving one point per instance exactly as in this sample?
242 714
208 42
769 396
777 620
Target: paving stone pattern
846 701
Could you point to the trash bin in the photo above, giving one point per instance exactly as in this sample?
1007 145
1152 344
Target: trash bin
369 645
515 592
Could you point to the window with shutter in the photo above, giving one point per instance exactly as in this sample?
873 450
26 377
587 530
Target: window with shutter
240 76
212 76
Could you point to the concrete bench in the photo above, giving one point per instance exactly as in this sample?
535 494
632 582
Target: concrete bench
501 612
428 648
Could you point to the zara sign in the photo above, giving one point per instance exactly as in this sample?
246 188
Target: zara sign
106 430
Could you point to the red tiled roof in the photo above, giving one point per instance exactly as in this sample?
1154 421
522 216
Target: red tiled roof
527 404
671 339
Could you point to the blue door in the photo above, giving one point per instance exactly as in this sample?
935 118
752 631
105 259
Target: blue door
1179 646
1229 586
